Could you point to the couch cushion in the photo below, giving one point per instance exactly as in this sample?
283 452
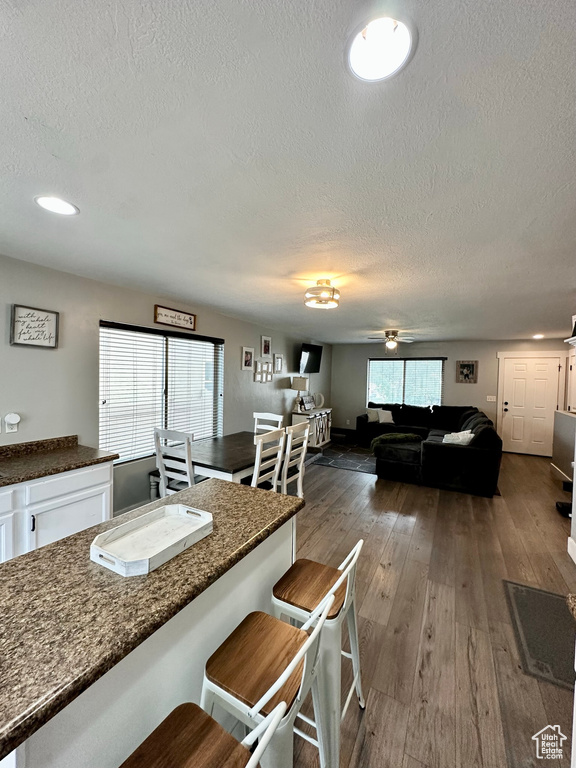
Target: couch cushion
385 416
396 437
466 416
448 416
372 414
477 420
438 433
485 436
406 453
415 416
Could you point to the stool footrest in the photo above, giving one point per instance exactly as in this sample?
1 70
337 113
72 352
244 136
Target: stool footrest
307 720
349 698
347 655
306 737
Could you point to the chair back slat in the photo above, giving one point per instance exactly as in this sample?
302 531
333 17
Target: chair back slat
174 461
269 449
260 426
294 456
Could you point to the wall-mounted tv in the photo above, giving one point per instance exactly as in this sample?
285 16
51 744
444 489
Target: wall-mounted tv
310 359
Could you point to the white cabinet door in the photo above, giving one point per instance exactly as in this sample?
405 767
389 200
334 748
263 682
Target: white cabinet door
6 536
67 515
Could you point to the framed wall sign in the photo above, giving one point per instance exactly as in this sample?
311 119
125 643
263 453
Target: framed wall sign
32 327
467 371
258 372
167 316
247 358
278 363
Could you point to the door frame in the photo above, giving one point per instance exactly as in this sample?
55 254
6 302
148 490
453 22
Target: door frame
561 394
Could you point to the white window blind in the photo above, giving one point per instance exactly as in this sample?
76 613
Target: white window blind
153 379
411 381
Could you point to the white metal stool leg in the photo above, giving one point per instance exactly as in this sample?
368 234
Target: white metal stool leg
355 654
329 681
280 751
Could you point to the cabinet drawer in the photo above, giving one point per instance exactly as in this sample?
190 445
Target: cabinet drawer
6 501
68 482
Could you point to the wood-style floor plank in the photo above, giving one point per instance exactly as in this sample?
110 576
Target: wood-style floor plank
441 672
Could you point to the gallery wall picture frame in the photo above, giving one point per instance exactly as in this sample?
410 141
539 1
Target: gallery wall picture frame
278 363
258 373
467 371
247 358
33 327
266 347
174 317
267 372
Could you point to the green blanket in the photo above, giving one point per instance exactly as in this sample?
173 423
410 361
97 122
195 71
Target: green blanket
395 437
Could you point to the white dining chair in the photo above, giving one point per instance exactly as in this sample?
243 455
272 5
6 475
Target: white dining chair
266 422
174 460
294 456
269 451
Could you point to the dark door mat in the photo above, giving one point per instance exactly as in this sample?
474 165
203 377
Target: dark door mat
344 456
544 630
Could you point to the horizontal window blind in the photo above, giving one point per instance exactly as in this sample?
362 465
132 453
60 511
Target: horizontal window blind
150 379
417 381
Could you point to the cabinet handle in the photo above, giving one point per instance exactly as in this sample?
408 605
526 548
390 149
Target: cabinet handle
33 520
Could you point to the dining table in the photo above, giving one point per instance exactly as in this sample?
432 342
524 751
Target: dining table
229 457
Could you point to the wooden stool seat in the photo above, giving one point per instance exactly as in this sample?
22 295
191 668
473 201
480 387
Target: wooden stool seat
254 656
305 584
189 738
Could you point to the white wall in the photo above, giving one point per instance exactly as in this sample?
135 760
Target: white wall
350 369
56 391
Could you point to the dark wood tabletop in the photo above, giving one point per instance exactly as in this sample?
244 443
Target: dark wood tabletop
229 453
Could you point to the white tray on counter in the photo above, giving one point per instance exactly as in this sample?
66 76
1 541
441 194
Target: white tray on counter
147 542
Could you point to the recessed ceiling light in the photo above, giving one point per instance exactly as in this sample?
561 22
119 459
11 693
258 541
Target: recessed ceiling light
380 49
57 205
538 336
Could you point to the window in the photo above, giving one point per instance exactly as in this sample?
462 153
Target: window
414 382
152 378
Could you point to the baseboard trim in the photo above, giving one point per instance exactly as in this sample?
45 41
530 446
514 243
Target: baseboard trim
572 548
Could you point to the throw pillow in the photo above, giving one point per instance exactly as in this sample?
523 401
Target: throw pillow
459 438
395 437
384 417
372 414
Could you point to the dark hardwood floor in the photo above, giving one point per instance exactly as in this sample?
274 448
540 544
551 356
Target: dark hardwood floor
440 668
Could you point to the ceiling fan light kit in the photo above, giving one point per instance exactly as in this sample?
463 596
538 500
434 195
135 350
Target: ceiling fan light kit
323 295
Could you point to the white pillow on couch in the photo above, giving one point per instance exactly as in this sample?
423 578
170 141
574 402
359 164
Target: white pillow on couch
385 417
372 414
459 438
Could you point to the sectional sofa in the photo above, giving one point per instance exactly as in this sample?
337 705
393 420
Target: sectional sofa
427 459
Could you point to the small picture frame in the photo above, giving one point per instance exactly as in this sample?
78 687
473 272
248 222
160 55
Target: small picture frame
266 347
33 327
467 371
266 371
258 372
278 363
247 358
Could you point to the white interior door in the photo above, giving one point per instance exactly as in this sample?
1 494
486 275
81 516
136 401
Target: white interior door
529 399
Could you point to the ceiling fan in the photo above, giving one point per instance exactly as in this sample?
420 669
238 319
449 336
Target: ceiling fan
391 339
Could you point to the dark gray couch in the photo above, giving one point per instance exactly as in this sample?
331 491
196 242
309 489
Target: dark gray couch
472 468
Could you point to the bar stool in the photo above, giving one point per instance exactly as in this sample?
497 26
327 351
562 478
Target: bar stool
299 593
262 662
189 738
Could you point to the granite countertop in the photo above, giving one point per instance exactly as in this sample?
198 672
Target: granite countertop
571 603
66 620
28 461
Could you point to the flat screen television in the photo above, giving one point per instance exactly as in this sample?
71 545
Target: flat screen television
310 359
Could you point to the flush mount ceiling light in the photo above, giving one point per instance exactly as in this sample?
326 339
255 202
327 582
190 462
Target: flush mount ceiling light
322 296
380 49
538 336
56 205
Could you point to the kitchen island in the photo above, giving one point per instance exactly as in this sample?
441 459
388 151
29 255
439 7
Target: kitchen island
91 661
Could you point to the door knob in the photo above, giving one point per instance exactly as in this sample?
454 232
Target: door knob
505 409
506 402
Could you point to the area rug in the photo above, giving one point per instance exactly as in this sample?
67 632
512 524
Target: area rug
344 456
544 630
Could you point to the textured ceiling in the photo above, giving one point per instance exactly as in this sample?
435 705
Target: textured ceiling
220 152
